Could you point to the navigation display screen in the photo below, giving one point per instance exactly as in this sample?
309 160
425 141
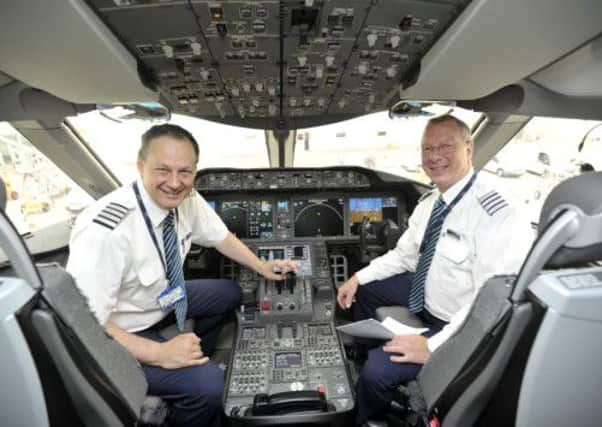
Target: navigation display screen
287 360
248 219
375 209
319 217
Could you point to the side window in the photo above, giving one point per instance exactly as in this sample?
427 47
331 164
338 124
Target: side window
38 193
544 153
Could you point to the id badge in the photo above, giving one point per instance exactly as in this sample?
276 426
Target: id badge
170 296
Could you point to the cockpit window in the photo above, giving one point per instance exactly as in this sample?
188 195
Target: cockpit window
374 141
116 141
545 152
38 193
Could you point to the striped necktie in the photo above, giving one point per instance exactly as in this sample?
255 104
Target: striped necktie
175 275
429 243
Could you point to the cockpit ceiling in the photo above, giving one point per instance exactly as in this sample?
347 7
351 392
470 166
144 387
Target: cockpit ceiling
278 64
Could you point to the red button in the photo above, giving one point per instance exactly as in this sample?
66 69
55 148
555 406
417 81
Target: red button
266 304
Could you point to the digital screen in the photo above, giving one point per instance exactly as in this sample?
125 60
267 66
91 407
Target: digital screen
287 360
248 219
375 209
283 205
268 254
211 203
318 217
371 208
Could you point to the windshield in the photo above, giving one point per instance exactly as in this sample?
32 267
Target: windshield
374 141
117 142
543 153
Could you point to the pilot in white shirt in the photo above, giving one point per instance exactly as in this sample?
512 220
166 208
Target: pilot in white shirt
481 233
468 251
128 273
126 255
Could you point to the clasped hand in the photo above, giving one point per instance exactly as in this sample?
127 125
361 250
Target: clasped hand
182 351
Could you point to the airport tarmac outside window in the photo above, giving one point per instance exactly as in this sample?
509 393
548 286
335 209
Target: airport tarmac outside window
545 152
38 193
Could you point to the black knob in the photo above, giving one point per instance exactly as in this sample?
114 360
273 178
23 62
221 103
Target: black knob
290 280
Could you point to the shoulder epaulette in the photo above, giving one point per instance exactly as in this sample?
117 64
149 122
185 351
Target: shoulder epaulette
111 215
425 195
492 202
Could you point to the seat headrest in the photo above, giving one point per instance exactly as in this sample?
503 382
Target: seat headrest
2 194
581 194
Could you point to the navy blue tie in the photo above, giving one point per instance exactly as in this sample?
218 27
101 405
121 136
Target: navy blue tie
429 243
175 275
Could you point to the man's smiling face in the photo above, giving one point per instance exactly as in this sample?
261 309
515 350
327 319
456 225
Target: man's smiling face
168 170
446 156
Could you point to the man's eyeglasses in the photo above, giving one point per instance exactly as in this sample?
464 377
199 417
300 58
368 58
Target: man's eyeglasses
443 149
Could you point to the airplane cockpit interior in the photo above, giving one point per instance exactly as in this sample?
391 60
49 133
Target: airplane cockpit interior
309 116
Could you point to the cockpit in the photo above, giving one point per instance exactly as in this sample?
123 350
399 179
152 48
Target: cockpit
309 117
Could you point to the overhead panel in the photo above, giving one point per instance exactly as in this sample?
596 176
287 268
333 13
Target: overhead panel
387 53
318 43
244 38
279 64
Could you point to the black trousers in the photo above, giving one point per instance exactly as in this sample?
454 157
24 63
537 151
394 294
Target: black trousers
380 376
195 393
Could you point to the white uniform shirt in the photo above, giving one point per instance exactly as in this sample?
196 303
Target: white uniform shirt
115 262
483 235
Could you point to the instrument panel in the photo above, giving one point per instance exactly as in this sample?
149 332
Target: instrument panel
285 179
323 216
288 363
302 203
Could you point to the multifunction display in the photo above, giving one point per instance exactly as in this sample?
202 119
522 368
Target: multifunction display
248 219
372 209
319 217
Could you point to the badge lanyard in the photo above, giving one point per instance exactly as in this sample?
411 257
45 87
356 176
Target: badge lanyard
149 225
449 207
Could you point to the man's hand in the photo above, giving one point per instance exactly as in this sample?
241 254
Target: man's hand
408 349
346 292
181 351
276 269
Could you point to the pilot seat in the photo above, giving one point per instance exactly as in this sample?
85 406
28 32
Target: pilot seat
59 366
528 353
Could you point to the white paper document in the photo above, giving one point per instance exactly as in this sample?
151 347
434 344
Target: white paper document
385 330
